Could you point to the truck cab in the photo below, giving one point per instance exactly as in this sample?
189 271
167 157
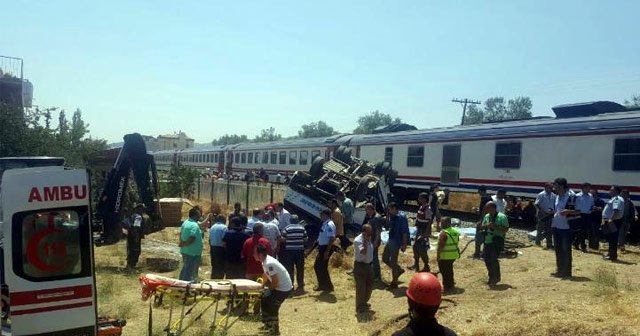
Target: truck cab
47 263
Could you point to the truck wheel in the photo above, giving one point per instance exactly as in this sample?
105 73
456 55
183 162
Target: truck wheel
316 170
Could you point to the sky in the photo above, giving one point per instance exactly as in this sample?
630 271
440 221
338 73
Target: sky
209 68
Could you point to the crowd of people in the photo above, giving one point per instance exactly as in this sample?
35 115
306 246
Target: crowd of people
272 244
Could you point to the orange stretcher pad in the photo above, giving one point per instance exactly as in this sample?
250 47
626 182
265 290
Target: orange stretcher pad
233 292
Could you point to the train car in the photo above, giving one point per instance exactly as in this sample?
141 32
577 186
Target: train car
284 157
208 160
592 142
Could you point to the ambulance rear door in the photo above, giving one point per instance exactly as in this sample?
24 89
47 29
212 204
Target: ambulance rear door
48 251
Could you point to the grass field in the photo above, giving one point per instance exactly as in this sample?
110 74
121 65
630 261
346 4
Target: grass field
602 299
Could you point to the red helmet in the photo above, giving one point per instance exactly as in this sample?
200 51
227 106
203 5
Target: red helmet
425 289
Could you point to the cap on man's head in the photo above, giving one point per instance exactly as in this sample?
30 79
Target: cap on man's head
294 219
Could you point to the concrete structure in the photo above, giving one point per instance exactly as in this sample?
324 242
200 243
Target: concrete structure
168 142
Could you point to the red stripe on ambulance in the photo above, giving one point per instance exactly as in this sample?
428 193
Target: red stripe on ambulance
51 295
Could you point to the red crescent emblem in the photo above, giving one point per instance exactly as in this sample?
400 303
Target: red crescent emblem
32 251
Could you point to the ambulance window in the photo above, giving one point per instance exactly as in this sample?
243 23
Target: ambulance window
52 244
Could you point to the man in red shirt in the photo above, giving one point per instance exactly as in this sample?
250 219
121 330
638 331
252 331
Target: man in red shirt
254 268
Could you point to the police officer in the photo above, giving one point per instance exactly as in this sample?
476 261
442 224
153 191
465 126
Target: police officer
424 296
134 235
325 241
448 252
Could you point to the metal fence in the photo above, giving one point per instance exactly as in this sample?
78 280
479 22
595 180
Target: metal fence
249 194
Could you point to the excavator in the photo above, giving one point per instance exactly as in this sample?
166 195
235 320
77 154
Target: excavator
47 235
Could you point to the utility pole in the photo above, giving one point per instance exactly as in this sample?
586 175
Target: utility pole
464 103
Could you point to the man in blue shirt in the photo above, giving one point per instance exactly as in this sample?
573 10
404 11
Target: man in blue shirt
398 239
612 221
295 238
545 202
561 228
325 242
216 234
584 204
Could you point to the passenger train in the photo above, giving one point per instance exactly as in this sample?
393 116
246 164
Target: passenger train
596 142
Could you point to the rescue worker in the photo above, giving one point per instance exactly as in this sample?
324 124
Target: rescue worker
423 226
135 234
479 240
495 225
448 252
278 281
424 296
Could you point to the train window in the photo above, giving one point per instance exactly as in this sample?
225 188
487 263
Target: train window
243 157
274 157
250 158
237 158
303 157
415 156
626 154
215 158
508 155
388 155
314 153
283 158
293 157
257 155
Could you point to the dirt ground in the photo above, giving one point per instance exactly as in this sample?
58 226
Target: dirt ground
602 299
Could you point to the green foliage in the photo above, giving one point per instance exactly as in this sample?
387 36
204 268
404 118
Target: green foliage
316 129
230 139
180 181
268 134
495 109
373 120
634 102
31 134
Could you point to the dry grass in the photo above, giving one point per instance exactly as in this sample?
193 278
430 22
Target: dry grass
601 300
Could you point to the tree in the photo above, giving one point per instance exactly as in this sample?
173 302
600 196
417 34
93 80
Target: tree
495 109
316 129
373 120
268 134
633 103
230 139
180 181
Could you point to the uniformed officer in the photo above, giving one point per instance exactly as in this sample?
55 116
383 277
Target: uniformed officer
423 226
424 296
448 252
326 238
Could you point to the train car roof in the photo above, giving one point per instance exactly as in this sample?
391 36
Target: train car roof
535 127
297 143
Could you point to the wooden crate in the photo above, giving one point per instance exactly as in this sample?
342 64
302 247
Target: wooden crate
174 210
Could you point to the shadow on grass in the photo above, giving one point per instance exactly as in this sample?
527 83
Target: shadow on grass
453 291
399 292
622 262
579 279
501 287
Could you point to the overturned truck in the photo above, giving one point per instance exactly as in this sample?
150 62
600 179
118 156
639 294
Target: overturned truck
309 192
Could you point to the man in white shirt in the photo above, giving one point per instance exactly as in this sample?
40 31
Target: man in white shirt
562 229
271 231
362 268
584 204
612 221
284 217
500 200
279 283
326 238
545 203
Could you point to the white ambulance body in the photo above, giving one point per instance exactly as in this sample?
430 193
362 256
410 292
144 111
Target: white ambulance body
48 251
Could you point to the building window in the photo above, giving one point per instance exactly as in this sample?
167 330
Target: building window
388 154
293 157
508 155
283 158
237 158
265 157
215 158
314 154
274 158
243 157
626 154
250 158
415 156
303 157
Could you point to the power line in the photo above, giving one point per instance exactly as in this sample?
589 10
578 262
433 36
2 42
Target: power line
464 103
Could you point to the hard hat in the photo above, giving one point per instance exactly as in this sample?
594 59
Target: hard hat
425 289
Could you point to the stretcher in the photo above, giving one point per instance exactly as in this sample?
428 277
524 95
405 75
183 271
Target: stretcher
233 294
